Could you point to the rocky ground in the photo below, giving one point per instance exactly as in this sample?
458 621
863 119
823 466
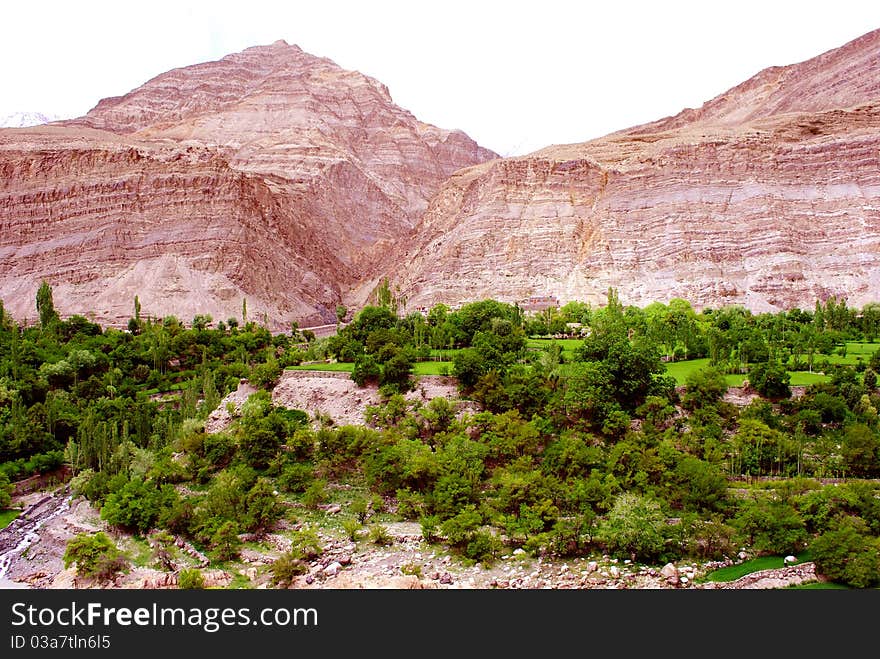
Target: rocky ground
408 562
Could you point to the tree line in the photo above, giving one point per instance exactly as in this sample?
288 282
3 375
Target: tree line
574 451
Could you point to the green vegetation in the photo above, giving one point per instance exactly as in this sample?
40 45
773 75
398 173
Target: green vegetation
340 367
6 517
734 572
819 585
95 556
616 439
190 580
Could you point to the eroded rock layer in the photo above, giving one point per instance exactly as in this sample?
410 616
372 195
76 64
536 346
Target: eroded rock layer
270 175
767 196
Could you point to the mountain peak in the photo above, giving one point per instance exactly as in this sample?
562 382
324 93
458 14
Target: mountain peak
27 119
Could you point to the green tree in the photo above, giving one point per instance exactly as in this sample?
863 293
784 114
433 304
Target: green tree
5 491
138 504
703 387
861 450
226 542
847 553
46 307
95 556
770 379
287 567
634 527
771 525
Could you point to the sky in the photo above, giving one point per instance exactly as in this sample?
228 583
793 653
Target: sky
516 76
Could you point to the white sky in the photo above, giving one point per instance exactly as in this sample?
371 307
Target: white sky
516 76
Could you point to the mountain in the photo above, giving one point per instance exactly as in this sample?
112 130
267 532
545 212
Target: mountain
767 196
271 177
24 119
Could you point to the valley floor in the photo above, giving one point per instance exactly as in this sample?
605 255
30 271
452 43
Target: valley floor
407 563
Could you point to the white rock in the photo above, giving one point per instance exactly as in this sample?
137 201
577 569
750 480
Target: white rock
332 569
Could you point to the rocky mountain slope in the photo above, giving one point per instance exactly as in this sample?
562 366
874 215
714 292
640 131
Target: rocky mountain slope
766 196
270 176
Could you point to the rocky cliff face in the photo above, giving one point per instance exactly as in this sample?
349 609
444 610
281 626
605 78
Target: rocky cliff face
767 196
270 175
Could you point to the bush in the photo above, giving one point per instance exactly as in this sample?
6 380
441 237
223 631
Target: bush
138 504
306 544
5 491
359 507
847 554
483 547
296 477
410 504
770 379
704 387
634 527
430 525
95 556
264 376
226 542
352 529
190 580
379 535
286 567
315 494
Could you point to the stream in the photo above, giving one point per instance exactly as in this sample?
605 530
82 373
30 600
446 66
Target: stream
22 531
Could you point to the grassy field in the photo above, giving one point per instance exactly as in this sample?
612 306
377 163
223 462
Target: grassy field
855 351
804 378
734 572
820 585
432 368
343 367
6 516
681 370
419 368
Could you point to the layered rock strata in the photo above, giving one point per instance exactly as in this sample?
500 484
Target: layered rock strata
768 196
270 176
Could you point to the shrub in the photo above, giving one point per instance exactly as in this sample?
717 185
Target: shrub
483 547
190 580
226 542
296 477
770 379
409 504
315 494
286 567
847 554
430 525
306 544
352 529
379 535
95 556
5 491
359 508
